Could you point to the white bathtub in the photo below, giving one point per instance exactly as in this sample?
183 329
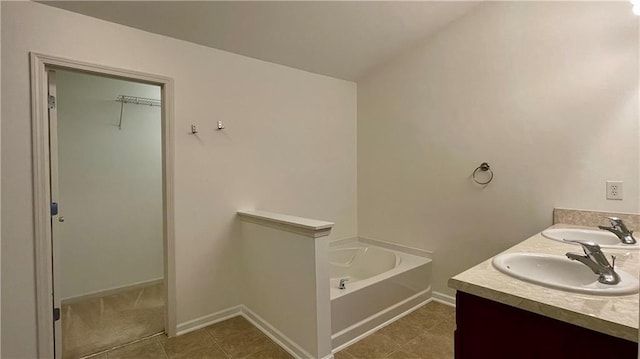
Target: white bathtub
382 284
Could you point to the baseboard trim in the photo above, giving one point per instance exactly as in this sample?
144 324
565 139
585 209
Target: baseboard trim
208 319
282 340
241 310
277 336
387 310
444 298
111 291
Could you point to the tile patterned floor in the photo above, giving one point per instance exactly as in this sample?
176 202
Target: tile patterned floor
232 338
95 324
426 333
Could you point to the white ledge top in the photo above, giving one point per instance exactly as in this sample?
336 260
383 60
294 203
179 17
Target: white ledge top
283 219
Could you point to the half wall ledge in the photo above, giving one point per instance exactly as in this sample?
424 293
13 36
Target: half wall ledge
303 226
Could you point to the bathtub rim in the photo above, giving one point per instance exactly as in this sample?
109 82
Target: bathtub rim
384 244
407 261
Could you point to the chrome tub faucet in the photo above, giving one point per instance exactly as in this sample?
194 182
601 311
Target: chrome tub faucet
596 261
341 285
620 230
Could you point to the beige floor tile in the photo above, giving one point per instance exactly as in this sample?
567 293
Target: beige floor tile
99 356
208 352
233 326
96 324
343 354
425 333
184 343
434 318
271 352
244 344
146 349
430 346
374 346
446 326
401 332
401 354
423 320
439 308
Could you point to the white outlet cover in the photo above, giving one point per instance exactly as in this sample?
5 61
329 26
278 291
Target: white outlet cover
614 190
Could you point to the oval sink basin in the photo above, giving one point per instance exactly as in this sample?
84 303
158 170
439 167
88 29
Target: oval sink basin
603 238
559 272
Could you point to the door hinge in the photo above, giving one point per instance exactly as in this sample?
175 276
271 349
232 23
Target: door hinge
52 102
56 314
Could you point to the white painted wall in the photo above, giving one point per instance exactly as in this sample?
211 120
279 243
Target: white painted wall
286 283
110 184
546 92
0 182
287 131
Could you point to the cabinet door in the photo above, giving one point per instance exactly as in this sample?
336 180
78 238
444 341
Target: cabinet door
487 329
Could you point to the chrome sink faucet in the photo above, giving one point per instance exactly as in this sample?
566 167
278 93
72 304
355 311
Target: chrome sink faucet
596 261
620 230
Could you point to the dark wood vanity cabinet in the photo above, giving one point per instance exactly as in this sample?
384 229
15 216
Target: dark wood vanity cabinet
488 329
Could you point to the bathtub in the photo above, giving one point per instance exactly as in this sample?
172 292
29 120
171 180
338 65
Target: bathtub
382 284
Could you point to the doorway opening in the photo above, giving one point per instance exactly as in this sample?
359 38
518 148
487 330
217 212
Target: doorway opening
103 206
107 236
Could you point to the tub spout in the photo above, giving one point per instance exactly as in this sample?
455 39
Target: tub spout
341 285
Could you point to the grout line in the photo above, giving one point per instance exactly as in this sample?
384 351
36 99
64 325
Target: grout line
215 341
166 355
400 322
222 350
106 351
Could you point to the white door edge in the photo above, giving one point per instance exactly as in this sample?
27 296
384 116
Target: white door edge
42 191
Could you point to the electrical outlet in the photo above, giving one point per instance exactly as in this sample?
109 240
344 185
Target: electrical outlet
614 190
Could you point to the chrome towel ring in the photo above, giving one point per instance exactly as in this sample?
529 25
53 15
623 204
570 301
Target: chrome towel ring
484 167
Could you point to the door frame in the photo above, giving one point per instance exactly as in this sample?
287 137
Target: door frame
40 63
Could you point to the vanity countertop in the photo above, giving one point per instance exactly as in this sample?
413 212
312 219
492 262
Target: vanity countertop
612 315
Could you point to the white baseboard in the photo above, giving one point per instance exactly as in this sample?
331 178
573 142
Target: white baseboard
277 336
206 320
111 291
444 298
282 340
241 310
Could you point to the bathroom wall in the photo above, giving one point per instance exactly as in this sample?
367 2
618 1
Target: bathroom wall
546 92
0 185
290 293
110 185
289 146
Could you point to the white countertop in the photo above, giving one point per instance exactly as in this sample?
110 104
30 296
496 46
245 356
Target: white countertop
612 315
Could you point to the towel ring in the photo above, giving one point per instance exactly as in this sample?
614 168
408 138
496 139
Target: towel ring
484 167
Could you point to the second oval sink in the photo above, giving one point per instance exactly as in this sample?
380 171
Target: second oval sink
559 272
603 238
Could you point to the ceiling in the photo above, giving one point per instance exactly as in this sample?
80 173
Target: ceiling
343 39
